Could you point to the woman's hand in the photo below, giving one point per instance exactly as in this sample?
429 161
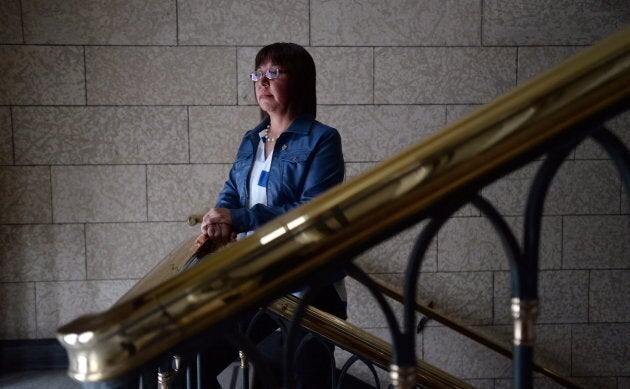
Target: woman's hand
217 225
218 216
201 239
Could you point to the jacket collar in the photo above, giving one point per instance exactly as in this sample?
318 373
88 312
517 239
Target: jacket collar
301 124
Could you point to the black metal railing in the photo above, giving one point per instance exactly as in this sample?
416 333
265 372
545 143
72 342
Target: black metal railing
548 116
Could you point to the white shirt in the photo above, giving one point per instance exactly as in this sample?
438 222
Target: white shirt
258 180
259 177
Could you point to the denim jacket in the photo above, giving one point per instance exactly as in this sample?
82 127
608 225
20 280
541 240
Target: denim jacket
307 160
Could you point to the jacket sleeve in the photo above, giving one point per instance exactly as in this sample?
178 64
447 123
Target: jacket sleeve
229 196
325 170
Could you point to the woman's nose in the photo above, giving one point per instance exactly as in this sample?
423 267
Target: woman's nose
264 81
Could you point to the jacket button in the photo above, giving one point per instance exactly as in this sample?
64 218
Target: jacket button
294 159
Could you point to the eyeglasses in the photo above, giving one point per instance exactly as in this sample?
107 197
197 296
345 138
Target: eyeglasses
269 73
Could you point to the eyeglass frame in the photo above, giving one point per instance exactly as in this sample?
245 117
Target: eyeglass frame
271 73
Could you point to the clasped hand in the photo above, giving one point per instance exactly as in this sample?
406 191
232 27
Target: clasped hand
217 225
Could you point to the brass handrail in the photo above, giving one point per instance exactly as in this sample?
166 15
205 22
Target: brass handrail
360 342
350 217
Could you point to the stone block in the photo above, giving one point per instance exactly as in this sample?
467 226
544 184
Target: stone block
471 244
42 75
160 75
345 75
375 133
6 136
176 191
93 22
551 22
43 252
354 169
10 22
608 293
442 75
58 303
395 23
596 242
26 194
243 22
17 310
216 132
106 193
535 60
392 255
601 350
100 135
131 250
246 61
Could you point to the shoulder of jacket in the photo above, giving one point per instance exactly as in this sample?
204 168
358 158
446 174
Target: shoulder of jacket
321 129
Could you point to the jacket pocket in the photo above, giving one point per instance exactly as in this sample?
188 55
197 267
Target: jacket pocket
294 156
294 166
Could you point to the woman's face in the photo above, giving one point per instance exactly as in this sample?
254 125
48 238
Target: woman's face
273 95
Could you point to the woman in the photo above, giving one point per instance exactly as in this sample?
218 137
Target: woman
291 157
283 162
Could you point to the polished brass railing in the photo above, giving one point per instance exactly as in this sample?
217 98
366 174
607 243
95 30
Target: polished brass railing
360 342
426 181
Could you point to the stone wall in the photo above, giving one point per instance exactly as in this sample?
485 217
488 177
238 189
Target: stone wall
118 119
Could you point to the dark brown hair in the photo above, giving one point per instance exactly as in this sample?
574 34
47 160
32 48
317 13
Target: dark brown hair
301 68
